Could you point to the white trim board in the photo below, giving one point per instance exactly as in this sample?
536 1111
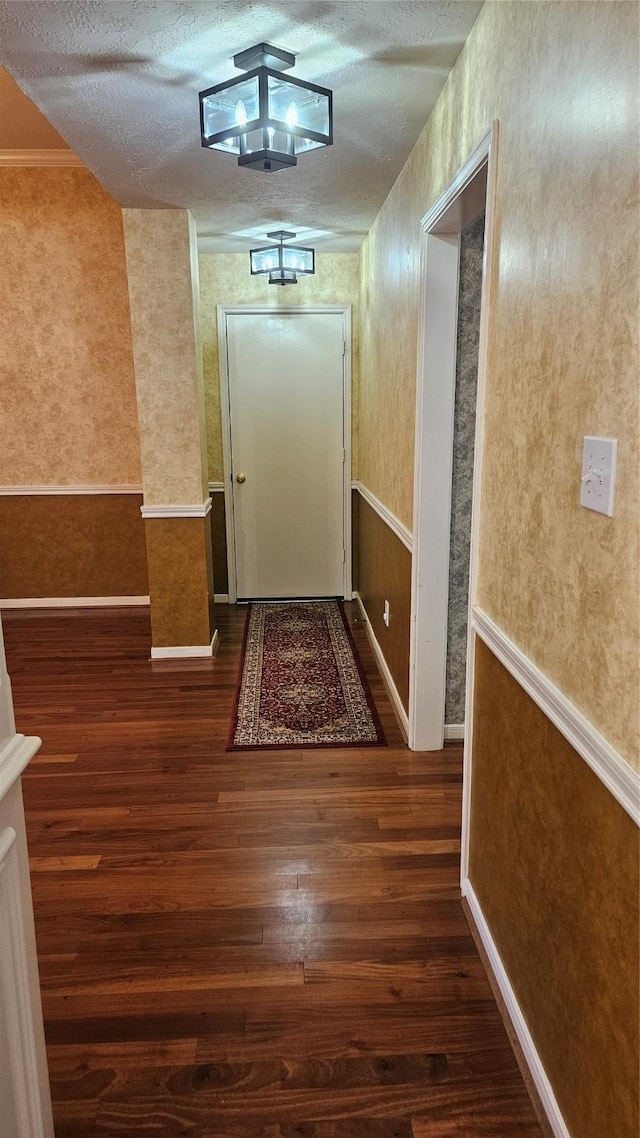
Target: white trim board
534 1063
40 158
389 681
216 487
71 602
37 491
221 598
199 510
453 732
472 188
15 756
608 764
186 652
401 531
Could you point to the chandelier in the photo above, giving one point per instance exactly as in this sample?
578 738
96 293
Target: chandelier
282 262
265 119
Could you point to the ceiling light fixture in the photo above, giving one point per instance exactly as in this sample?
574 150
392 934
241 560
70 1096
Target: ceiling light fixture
282 262
263 118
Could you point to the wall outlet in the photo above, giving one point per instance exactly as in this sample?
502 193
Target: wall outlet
598 474
385 615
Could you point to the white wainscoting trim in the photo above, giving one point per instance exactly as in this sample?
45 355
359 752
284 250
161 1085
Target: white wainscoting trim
394 523
394 695
39 158
37 491
453 732
185 652
608 764
532 1058
221 598
14 757
216 487
14 983
199 510
72 602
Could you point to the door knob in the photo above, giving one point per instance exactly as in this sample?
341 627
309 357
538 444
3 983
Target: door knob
241 478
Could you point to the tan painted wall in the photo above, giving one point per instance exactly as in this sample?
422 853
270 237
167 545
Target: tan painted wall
564 910
164 300
225 279
67 388
562 78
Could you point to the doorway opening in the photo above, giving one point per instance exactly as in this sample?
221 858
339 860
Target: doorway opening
469 196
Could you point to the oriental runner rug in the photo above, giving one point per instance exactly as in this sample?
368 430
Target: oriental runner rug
301 682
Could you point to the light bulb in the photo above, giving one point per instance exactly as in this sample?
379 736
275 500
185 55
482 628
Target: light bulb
241 113
270 133
268 263
291 117
294 262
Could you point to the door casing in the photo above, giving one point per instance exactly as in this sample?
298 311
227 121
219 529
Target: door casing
473 186
225 310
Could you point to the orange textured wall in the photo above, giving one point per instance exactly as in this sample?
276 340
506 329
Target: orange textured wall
66 368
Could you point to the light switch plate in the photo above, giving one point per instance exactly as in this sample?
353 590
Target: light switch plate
599 458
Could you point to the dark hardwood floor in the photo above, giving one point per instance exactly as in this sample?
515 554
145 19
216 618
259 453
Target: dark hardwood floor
243 945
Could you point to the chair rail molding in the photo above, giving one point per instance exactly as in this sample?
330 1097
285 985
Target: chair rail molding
605 761
38 491
198 510
401 531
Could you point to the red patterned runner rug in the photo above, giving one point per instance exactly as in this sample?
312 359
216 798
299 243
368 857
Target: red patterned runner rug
301 682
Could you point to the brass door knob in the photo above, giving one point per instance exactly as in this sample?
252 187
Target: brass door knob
241 478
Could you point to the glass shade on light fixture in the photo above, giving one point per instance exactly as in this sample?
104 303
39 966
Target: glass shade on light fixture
263 117
281 262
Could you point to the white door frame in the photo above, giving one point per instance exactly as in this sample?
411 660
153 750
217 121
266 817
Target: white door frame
225 310
435 396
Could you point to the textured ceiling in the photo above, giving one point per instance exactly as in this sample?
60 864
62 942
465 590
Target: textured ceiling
120 80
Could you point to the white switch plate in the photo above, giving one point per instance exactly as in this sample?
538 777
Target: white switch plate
385 615
599 458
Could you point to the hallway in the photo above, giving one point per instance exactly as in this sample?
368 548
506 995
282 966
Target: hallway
243 945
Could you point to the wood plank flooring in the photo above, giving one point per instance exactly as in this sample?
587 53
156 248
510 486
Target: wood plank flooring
243 945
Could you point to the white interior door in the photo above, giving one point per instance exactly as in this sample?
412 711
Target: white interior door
286 408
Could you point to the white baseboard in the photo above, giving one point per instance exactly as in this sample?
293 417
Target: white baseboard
221 598
71 602
394 696
534 1063
454 732
188 651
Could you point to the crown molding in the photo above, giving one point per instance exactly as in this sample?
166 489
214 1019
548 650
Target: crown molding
40 158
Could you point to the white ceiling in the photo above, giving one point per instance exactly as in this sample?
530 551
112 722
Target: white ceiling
119 79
